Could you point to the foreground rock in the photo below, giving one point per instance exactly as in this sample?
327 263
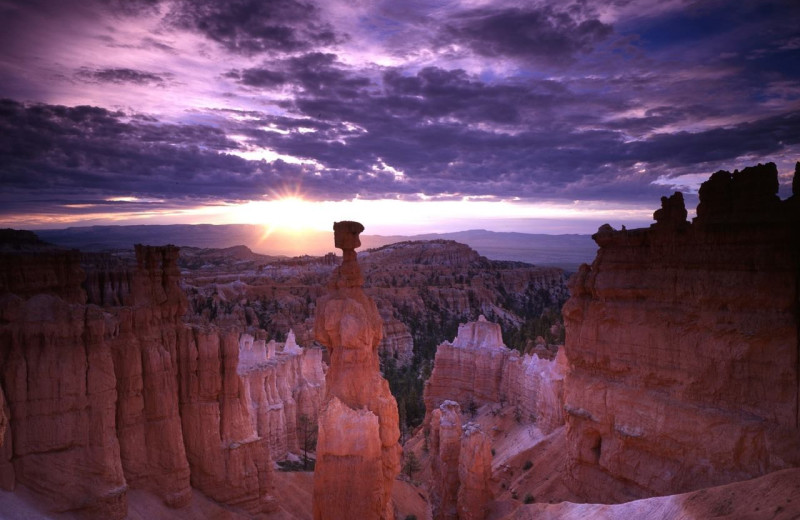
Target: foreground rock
358 455
461 466
445 448
775 496
107 389
682 342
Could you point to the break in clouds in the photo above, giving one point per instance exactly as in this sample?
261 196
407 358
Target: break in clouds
205 101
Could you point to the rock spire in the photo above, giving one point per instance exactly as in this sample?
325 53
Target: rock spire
358 455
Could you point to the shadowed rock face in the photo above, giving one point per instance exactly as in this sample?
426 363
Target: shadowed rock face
100 398
682 344
358 456
461 466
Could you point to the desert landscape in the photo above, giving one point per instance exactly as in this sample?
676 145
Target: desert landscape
417 260
659 381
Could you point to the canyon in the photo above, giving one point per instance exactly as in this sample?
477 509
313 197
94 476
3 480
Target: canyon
670 391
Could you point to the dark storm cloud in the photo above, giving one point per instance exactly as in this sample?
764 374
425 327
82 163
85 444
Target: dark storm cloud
762 138
255 26
74 152
312 74
542 34
52 155
123 75
450 132
571 114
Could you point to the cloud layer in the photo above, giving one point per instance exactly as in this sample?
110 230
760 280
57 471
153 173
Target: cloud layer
186 103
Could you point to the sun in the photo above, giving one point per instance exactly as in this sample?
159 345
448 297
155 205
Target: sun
297 214
290 213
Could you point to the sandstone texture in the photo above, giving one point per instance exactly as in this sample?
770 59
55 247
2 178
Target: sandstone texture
474 473
358 455
461 466
775 496
107 388
477 369
682 345
397 341
280 388
445 447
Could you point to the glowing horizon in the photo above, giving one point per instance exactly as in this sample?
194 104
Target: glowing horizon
391 216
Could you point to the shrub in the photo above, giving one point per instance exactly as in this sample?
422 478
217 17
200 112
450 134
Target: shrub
411 465
528 498
528 465
411 517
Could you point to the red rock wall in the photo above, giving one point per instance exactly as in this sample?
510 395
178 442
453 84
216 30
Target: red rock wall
58 377
474 473
229 461
682 344
102 398
397 341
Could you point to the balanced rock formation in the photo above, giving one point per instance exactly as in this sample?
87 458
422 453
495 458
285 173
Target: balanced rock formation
682 344
477 368
358 455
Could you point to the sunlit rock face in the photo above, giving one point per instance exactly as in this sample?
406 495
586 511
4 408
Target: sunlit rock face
470 369
358 455
682 345
477 368
229 461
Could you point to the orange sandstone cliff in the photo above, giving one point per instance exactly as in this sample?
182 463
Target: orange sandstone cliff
358 455
107 388
682 343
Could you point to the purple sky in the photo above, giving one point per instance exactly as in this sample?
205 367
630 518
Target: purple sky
527 116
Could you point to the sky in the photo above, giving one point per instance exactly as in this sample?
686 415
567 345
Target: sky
411 117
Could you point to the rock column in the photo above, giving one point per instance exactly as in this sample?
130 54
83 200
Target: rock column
358 455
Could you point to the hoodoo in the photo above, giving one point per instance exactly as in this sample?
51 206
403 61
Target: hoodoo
358 455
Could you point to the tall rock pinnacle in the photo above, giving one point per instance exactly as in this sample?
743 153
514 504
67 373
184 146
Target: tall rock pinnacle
358 455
